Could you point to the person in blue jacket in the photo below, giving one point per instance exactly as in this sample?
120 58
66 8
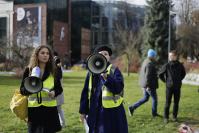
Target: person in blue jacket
101 103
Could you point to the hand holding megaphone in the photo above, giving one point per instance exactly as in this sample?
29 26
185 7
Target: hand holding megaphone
51 94
104 75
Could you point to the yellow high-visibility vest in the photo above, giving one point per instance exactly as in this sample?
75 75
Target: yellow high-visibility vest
109 100
45 99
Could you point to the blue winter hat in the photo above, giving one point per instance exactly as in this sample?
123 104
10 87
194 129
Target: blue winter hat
151 53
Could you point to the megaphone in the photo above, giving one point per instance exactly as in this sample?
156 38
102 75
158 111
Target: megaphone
97 63
33 84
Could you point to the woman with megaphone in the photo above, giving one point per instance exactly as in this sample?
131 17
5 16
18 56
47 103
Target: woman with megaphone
101 104
42 106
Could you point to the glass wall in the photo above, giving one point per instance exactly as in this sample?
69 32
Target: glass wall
3 32
80 18
3 26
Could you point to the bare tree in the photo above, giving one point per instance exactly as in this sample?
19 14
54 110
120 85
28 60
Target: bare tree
188 37
129 42
195 17
185 9
127 34
16 52
188 30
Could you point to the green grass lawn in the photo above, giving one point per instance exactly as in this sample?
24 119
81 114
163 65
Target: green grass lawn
141 122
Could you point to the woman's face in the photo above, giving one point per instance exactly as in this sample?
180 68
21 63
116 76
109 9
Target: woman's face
43 55
106 54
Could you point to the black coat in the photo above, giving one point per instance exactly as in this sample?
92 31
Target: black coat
172 73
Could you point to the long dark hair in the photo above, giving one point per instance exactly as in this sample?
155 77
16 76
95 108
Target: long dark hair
35 62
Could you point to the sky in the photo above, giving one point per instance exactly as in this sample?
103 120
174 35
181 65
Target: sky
137 2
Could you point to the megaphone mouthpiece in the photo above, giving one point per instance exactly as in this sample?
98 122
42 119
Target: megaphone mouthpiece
36 72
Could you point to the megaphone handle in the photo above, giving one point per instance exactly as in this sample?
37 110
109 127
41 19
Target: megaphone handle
46 90
105 71
39 98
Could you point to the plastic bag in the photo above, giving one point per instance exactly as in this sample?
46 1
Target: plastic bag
19 105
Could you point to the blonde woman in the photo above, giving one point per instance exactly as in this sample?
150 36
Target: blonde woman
42 106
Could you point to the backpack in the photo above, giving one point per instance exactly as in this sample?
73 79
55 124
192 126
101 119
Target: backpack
19 105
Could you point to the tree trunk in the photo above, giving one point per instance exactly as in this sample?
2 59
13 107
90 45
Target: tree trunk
128 64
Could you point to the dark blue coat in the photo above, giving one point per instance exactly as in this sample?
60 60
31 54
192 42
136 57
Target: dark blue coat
103 120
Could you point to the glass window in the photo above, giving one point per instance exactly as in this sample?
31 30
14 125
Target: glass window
96 10
105 22
3 26
95 38
104 37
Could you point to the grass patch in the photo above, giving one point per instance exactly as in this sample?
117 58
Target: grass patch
141 122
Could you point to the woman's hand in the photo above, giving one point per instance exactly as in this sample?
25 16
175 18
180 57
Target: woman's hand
82 117
104 75
51 94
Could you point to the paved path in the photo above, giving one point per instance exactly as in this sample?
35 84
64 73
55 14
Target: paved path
7 73
192 79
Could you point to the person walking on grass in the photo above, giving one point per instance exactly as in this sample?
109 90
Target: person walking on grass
148 83
172 73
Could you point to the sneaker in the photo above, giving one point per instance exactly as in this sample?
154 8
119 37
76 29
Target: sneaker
157 115
166 120
130 110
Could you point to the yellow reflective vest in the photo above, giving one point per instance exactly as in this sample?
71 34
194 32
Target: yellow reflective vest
109 100
43 95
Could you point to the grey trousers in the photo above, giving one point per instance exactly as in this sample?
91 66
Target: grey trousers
61 115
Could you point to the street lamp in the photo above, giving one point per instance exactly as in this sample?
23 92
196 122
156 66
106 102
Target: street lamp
171 13
169 39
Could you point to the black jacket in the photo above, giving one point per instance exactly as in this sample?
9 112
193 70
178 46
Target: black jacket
172 73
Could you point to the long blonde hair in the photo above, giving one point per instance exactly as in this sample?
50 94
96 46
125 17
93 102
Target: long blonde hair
35 62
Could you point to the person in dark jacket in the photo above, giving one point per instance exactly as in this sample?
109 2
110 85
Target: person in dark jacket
101 103
42 107
172 73
149 83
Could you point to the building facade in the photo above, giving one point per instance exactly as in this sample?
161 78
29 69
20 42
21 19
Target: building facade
58 24
6 28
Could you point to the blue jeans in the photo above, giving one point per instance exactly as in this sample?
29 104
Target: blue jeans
147 94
